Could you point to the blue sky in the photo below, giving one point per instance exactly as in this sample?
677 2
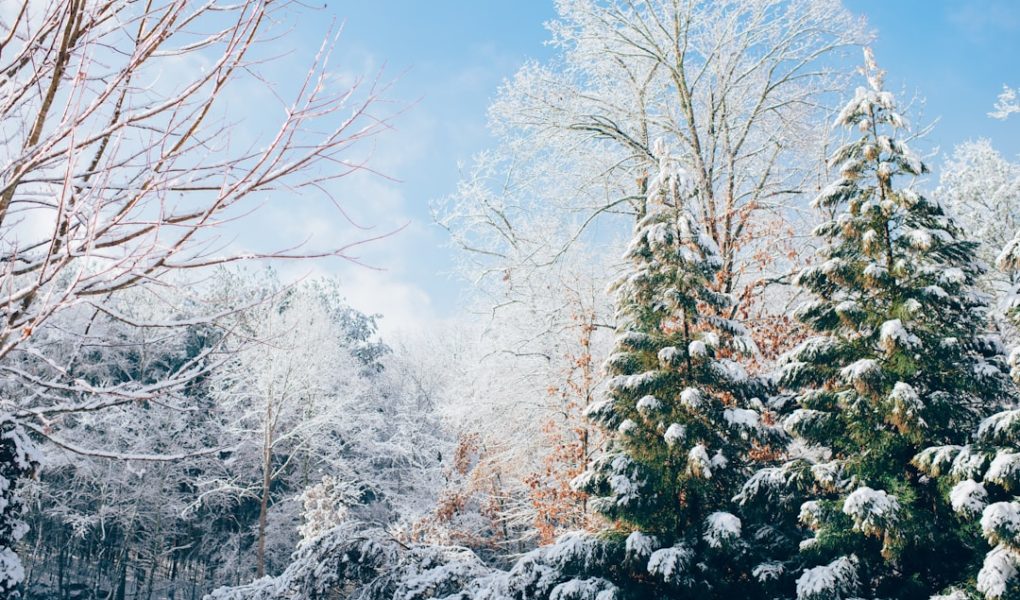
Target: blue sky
449 58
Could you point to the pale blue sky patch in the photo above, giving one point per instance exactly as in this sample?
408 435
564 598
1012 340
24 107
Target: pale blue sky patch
449 59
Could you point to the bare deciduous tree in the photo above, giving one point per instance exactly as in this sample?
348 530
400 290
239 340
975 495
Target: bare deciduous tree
735 87
112 177
122 156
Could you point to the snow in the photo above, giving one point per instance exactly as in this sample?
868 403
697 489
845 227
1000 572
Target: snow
875 271
648 404
697 349
968 497
801 417
12 572
698 463
671 564
634 340
1000 523
998 571
1005 104
828 474
639 545
670 179
968 463
691 398
953 276
721 528
855 107
669 356
26 454
1005 469
790 370
810 349
674 434
768 571
1000 428
594 588
860 370
905 401
873 511
730 370
765 484
624 488
835 580
893 335
909 197
633 383
627 426
848 308
741 417
810 514
920 239
831 192
719 460
1009 259
936 460
983 368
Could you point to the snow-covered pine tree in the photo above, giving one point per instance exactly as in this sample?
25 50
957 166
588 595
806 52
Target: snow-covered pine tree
901 361
682 416
18 461
982 480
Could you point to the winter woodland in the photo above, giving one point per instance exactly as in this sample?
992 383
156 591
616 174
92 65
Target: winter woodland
727 335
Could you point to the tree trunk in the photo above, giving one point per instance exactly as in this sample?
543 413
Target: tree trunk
267 466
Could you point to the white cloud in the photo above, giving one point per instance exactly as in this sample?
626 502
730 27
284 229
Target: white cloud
405 307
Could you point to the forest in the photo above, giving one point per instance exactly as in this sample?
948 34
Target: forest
734 328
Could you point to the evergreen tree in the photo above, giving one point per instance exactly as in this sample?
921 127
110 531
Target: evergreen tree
982 481
900 361
683 420
18 461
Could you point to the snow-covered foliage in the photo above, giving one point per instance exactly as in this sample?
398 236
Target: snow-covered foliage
873 511
672 565
707 416
369 562
985 478
379 443
980 188
901 360
837 580
18 460
721 529
1006 104
968 497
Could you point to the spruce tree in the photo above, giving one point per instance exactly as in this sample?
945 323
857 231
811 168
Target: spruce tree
900 361
982 481
683 417
19 460
684 425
